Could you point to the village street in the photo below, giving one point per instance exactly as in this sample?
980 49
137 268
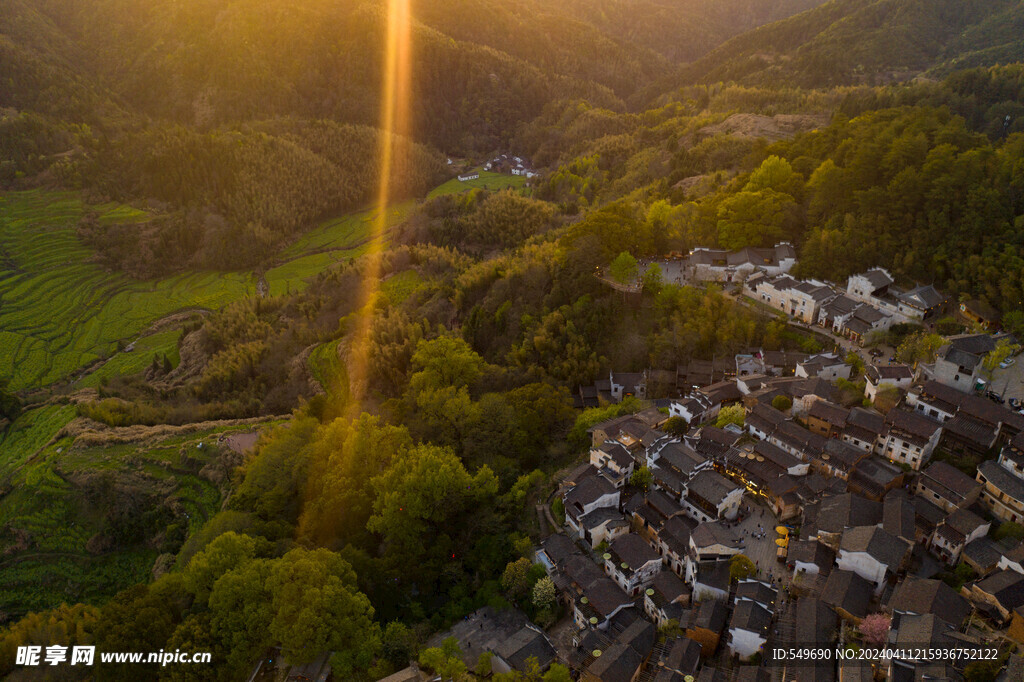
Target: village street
762 551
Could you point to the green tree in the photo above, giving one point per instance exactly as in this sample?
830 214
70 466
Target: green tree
641 478
557 673
544 593
226 552
423 502
1004 349
652 279
1009 529
776 174
445 660
677 426
887 397
782 402
920 347
855 362
982 671
318 607
624 268
756 218
444 362
731 414
516 578
741 567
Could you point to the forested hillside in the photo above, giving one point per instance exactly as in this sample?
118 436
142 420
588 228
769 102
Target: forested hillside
868 41
238 416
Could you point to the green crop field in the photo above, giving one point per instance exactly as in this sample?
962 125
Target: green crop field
59 312
487 180
44 508
400 286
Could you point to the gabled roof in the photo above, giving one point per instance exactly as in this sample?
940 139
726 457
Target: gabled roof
681 457
1002 479
948 481
618 663
882 546
589 489
920 596
750 616
683 656
848 591
616 452
879 373
676 534
713 574
971 430
558 547
811 552
816 623
667 588
601 516
758 591
878 277
864 424
713 533
710 615
524 644
926 628
843 455
605 596
982 552
1006 586
829 413
922 297
898 517
632 550
847 511
911 424
775 455
711 486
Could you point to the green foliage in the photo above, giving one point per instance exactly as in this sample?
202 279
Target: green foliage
544 593
1004 349
624 268
982 671
641 478
740 568
920 347
887 397
731 414
1008 529
855 362
782 403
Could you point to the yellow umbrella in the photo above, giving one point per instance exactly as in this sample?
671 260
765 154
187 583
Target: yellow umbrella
782 530
782 542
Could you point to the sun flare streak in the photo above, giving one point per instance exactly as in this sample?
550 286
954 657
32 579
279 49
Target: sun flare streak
394 125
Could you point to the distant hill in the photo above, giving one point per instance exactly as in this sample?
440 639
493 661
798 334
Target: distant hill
481 66
868 41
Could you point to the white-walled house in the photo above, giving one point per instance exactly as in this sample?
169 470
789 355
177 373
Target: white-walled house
748 628
876 376
631 563
590 492
872 553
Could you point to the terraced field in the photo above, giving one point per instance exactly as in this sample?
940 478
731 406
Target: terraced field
49 523
59 312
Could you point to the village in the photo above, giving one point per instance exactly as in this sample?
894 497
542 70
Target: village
754 514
